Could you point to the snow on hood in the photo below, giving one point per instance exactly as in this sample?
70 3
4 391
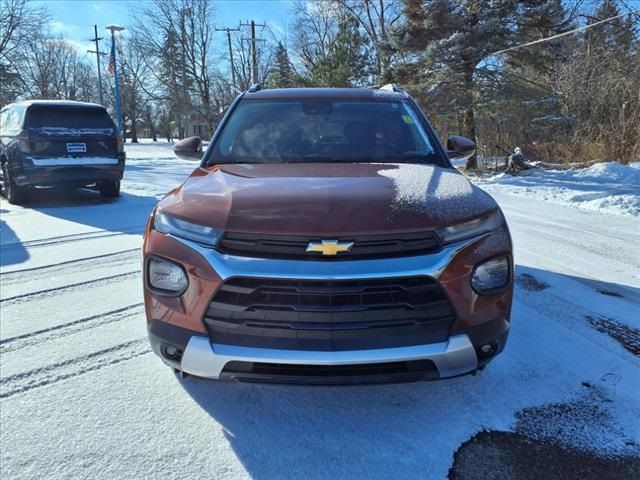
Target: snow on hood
444 193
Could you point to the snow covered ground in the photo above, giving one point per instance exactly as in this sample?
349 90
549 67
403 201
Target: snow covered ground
604 187
82 396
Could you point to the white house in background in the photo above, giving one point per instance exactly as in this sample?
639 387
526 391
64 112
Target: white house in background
197 125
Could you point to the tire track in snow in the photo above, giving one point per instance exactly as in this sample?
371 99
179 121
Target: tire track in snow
51 291
69 264
625 335
74 237
40 377
83 324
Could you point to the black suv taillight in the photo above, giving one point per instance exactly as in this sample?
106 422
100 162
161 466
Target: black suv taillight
24 143
119 144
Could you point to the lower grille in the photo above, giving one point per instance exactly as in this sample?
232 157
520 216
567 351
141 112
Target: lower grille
325 374
329 314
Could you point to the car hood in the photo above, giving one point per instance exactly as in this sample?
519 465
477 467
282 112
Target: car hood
326 198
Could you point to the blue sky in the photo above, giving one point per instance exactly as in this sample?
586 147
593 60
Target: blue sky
74 20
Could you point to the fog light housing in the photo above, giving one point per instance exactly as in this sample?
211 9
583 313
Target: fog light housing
172 353
166 277
491 276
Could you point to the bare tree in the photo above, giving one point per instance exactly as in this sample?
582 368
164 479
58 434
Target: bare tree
51 68
19 21
602 96
137 87
176 37
243 61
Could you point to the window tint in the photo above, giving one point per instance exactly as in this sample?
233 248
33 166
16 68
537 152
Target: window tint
322 130
68 117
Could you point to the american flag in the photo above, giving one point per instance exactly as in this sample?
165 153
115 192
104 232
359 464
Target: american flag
112 61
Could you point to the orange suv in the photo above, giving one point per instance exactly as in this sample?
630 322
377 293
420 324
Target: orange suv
326 238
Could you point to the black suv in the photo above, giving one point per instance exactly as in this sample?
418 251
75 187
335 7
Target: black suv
49 143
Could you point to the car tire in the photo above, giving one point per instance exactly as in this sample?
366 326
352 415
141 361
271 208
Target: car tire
15 194
109 189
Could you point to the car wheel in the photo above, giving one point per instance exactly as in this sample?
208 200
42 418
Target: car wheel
109 189
14 193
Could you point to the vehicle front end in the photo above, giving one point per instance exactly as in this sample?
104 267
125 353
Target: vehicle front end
327 272
266 307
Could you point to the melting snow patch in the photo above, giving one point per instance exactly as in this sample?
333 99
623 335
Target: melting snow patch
444 193
585 424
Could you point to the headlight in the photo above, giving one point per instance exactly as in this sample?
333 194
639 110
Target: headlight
472 228
167 276
191 231
491 275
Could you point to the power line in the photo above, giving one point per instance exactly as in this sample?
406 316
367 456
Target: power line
569 32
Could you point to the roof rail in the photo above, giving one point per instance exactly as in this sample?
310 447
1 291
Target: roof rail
256 87
391 87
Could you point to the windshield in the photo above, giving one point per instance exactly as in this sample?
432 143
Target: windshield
322 130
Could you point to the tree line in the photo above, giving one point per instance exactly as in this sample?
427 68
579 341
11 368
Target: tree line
574 97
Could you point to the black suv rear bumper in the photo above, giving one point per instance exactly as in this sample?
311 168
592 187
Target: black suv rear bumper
67 175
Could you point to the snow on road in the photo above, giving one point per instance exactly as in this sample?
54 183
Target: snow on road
82 396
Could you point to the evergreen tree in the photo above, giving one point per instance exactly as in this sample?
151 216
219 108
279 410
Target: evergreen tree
614 37
522 93
332 49
348 62
281 74
448 44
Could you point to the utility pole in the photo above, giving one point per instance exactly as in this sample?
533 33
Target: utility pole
233 69
254 50
98 53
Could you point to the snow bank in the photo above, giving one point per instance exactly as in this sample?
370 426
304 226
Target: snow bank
610 187
612 172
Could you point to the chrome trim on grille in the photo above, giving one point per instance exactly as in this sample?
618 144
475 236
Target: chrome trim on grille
431 264
453 357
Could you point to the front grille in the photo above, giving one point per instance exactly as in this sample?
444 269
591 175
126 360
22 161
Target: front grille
329 314
330 374
294 246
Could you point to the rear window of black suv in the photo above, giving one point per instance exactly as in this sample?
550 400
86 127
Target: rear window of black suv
68 117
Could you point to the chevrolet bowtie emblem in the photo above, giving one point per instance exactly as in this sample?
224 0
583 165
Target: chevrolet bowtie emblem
329 247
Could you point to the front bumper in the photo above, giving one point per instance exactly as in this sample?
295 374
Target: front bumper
482 320
460 354
451 358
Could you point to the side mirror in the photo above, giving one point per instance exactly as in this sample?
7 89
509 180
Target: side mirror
189 148
460 148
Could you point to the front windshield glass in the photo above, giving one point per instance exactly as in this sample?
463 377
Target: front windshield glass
310 130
